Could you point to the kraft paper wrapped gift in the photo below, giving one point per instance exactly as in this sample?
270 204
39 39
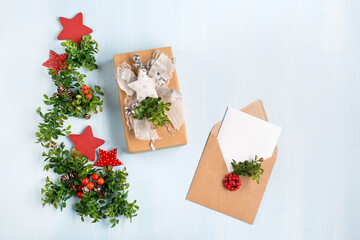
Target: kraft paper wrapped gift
167 140
207 187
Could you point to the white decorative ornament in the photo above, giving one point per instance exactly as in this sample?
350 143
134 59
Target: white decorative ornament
144 86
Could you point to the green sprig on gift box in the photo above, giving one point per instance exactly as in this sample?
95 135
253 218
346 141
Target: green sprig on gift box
154 110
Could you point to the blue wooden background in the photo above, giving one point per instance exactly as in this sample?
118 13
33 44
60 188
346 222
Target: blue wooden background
300 57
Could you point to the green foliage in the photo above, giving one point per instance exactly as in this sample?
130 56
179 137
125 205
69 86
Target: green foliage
51 127
83 55
62 108
72 102
68 77
56 194
154 110
115 203
91 205
119 206
252 168
81 105
75 105
63 161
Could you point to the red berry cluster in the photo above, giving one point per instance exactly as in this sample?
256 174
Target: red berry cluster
86 182
86 90
232 182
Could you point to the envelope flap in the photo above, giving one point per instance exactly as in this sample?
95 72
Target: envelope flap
210 170
256 109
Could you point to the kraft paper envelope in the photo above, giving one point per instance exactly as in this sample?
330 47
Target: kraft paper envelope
135 145
207 186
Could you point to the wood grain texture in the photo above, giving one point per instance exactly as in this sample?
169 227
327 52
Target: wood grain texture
301 58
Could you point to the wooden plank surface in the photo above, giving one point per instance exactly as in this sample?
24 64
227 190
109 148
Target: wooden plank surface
301 58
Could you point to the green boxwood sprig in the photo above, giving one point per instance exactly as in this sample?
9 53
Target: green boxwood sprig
68 77
70 101
154 110
251 168
85 106
83 55
55 194
63 161
51 127
91 205
62 108
115 203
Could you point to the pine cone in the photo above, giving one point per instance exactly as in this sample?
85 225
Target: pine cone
102 194
61 90
70 94
87 116
97 187
55 95
73 175
64 178
85 190
72 186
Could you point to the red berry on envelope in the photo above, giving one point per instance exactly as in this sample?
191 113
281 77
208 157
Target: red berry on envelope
232 182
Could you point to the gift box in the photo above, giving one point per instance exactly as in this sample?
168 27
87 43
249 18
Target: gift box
167 138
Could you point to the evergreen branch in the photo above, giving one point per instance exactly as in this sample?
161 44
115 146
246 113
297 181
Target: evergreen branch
154 110
110 200
83 55
252 168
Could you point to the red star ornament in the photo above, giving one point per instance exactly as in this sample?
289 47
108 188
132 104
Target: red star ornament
56 61
73 29
86 143
108 158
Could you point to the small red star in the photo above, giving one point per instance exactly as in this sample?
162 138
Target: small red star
73 29
56 61
108 159
86 143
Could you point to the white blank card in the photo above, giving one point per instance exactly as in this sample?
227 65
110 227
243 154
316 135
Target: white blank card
242 136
